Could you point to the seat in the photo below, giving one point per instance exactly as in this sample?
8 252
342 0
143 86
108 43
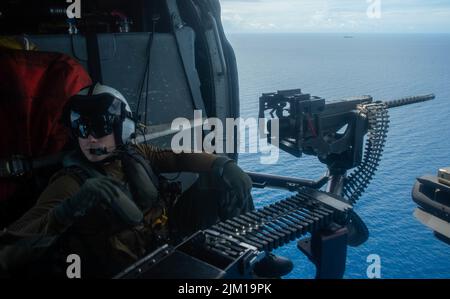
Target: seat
34 87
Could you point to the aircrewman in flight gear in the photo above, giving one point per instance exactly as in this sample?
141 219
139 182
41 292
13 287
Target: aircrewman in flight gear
109 194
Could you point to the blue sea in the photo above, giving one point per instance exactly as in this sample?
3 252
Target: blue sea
386 67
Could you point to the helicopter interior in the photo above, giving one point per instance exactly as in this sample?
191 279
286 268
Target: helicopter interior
166 57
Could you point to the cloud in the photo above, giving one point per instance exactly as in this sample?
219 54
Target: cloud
335 16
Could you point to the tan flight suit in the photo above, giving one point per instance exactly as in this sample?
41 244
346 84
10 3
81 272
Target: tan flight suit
38 219
116 248
110 249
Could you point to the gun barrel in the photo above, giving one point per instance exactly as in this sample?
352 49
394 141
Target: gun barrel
409 100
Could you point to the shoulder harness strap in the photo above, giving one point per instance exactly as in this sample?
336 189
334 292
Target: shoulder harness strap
142 180
77 168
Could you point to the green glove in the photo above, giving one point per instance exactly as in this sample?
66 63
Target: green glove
234 178
94 191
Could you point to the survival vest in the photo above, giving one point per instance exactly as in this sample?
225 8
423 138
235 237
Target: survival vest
154 195
142 181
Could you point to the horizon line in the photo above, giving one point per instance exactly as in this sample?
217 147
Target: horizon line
331 32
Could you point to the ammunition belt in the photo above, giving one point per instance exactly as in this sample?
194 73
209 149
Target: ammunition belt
378 124
275 225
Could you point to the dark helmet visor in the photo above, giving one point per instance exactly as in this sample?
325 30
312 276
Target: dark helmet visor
96 117
98 126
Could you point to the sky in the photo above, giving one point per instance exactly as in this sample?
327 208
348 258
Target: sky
343 16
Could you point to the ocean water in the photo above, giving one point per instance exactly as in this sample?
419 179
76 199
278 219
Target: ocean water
386 67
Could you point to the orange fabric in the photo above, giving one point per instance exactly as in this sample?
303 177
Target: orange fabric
34 87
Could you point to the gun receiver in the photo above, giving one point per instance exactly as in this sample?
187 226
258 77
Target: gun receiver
309 125
334 132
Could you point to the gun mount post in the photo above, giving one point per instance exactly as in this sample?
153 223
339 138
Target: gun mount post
327 250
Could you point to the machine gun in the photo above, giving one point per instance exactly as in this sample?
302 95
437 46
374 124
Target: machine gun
344 135
334 132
